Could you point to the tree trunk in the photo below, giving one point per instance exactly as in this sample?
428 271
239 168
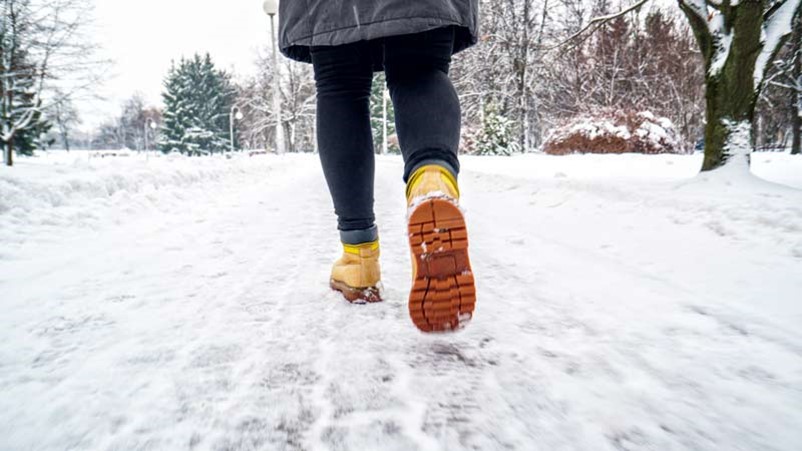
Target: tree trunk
728 103
731 94
10 152
522 64
65 137
796 108
796 119
523 116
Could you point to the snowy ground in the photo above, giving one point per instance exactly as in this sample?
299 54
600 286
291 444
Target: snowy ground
183 304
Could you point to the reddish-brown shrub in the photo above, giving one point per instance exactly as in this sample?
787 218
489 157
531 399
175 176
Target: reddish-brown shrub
614 132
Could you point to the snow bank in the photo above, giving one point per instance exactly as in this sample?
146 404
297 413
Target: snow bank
778 167
589 166
76 189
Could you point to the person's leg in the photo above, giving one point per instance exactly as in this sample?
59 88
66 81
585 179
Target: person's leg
343 75
428 116
427 109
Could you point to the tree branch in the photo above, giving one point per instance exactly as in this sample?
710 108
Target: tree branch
695 12
769 14
597 22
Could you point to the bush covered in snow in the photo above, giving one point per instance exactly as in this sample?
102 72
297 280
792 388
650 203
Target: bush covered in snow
496 136
614 132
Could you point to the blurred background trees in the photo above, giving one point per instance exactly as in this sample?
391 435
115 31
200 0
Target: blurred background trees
46 60
525 80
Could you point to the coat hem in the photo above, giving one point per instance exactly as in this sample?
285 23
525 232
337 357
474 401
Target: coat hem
299 48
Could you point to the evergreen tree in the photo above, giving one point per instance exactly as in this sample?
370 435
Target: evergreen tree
19 93
32 137
497 135
198 99
377 113
175 117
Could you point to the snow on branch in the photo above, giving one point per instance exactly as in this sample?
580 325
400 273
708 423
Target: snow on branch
698 7
722 42
777 26
707 18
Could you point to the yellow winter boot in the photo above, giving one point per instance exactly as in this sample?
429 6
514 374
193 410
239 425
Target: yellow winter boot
443 294
357 273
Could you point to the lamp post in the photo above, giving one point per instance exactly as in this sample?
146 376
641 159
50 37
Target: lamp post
271 9
231 118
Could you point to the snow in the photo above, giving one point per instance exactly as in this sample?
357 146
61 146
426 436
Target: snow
774 30
593 130
738 145
722 38
77 189
660 132
182 303
700 8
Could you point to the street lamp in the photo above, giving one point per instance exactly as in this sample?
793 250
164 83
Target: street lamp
271 9
149 123
231 118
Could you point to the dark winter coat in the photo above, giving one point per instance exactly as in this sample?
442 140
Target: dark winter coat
305 23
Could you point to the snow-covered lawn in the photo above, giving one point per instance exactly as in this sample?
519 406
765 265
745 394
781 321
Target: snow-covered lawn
183 304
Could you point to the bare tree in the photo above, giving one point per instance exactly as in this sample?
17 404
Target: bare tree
110 135
41 45
255 99
502 73
133 122
738 41
65 115
298 105
781 100
626 60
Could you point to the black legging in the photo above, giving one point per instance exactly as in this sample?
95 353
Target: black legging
427 114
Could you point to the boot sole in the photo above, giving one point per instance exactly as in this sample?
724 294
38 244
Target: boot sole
443 295
370 295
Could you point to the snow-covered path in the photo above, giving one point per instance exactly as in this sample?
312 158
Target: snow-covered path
612 314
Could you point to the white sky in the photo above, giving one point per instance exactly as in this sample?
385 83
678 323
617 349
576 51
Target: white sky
143 36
